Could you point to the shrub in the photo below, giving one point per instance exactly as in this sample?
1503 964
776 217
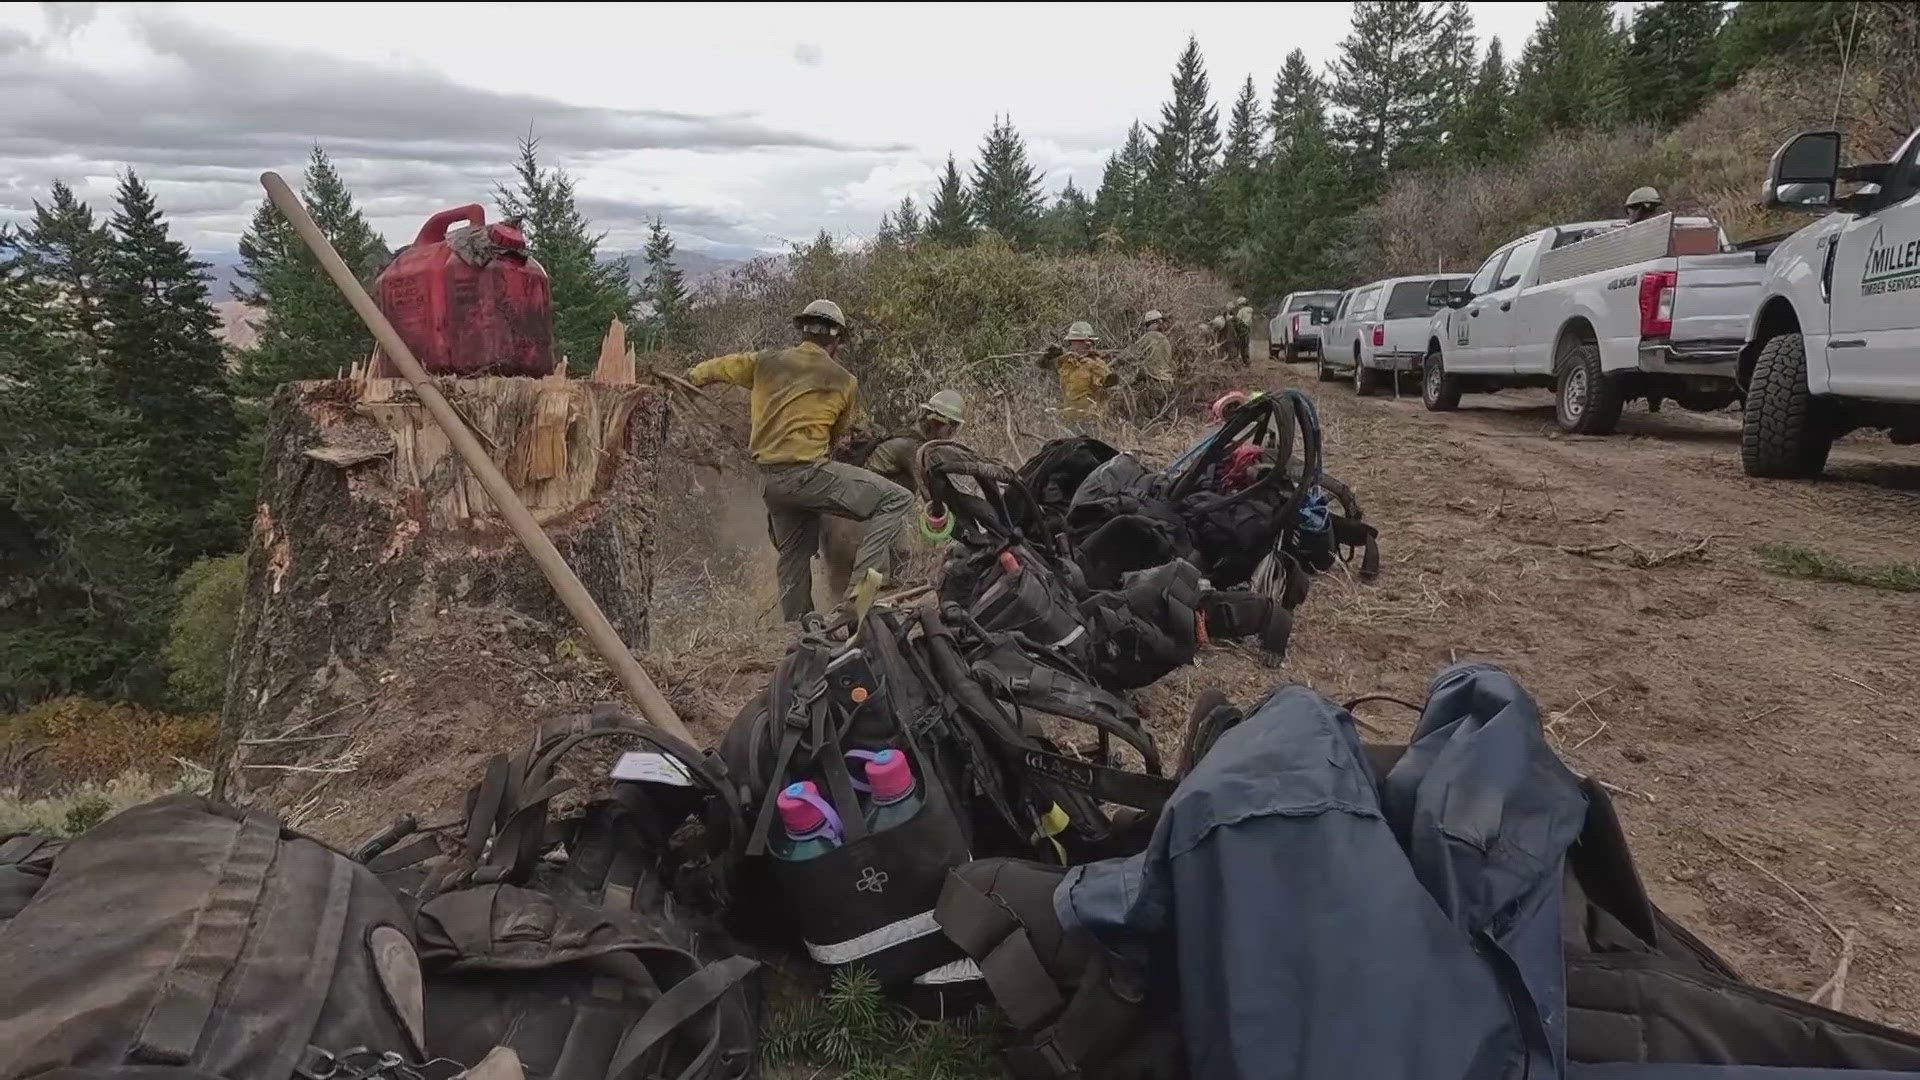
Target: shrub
86 805
89 740
926 317
201 636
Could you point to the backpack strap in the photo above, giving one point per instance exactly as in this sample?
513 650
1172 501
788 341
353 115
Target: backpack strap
686 1000
1066 1033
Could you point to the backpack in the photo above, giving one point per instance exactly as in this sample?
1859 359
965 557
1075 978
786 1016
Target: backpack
964 704
25 860
1057 470
586 942
188 938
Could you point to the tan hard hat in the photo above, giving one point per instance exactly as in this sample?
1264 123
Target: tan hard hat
1644 196
948 406
1081 331
1240 301
824 311
1152 316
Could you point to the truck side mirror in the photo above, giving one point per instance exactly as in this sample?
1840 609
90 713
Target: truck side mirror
1804 172
1458 298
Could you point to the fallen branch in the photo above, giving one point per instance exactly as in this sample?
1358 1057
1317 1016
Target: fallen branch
294 739
1640 559
321 769
1778 880
1618 790
1834 990
1858 683
1590 738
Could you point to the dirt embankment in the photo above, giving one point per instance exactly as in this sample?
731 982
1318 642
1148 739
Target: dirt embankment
1762 732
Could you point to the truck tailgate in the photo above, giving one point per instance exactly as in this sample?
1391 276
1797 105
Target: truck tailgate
1715 295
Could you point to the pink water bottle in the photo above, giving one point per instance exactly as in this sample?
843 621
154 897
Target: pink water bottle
896 795
813 829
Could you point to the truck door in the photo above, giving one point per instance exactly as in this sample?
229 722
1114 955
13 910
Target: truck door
1460 345
1500 318
1874 344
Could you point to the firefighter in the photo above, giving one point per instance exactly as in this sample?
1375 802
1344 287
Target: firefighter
895 458
1242 328
802 402
1222 337
1644 203
1150 359
1085 376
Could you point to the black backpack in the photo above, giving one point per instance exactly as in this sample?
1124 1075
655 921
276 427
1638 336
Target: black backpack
188 938
589 942
965 704
868 902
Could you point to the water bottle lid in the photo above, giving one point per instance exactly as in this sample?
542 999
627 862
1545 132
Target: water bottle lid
890 775
799 813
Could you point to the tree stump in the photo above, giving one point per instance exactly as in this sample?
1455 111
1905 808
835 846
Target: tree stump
378 562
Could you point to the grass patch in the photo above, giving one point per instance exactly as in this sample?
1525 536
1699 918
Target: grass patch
851 1032
80 808
87 740
1796 560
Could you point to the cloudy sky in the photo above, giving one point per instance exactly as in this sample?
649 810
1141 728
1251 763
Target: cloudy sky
742 125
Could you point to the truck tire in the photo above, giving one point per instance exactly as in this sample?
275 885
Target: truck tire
1366 380
1320 368
1781 436
1439 391
1291 354
1586 400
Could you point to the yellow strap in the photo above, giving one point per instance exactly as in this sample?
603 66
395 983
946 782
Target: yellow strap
1052 824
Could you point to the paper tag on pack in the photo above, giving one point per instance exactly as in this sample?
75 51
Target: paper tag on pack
651 767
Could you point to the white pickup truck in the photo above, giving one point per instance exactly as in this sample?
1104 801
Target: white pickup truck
1294 331
1380 330
1603 312
1835 339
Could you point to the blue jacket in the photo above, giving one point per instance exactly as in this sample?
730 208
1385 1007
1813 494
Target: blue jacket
1321 922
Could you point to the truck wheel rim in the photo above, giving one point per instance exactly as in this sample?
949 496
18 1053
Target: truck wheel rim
1576 392
1432 380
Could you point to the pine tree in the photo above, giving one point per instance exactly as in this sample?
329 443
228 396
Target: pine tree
1186 147
166 368
1480 131
1458 51
1068 224
906 220
1390 85
1299 106
664 291
1007 196
950 218
65 250
1303 194
1569 75
85 598
307 329
1668 68
1759 32
1112 201
1235 184
588 292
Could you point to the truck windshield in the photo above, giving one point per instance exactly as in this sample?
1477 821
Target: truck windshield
1409 298
1303 301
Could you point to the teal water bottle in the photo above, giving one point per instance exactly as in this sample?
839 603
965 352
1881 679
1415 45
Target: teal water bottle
813 829
896 795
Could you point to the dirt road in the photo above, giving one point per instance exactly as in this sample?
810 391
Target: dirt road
1762 731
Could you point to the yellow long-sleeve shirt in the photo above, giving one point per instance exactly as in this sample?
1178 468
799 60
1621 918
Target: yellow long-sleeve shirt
801 400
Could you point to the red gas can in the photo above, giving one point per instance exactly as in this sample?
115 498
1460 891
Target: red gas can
472 304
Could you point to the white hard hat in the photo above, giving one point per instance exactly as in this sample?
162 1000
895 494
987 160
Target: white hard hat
1644 196
1151 317
947 405
823 311
1081 331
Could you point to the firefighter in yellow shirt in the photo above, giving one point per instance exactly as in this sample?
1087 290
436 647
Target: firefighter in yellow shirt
1085 376
802 402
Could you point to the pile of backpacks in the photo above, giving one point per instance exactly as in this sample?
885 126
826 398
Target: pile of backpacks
954 794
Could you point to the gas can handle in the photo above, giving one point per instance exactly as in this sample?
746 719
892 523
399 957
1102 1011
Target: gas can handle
435 230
